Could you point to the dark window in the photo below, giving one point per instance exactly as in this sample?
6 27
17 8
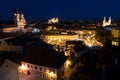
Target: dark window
35 67
31 66
28 73
6 65
40 68
28 65
44 69
43 76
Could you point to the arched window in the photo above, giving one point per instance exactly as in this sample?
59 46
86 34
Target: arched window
28 73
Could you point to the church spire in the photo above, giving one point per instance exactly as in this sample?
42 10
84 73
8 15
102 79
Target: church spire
109 19
104 20
106 23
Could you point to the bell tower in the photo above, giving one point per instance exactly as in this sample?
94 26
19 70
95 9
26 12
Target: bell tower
105 22
19 19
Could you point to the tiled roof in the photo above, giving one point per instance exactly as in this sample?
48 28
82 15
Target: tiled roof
44 56
22 40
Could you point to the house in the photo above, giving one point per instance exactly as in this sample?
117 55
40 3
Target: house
17 44
39 62
8 70
14 26
60 38
42 63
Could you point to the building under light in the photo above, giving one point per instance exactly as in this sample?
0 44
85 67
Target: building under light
59 39
42 63
106 23
18 24
115 34
53 20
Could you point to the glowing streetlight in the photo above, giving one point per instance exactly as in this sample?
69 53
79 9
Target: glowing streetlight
68 62
51 74
22 67
81 32
90 45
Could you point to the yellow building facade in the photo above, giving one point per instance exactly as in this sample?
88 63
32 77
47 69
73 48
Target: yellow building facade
60 39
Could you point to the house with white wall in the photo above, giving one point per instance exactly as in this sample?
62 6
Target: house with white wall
9 70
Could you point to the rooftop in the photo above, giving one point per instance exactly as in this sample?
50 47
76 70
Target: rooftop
43 56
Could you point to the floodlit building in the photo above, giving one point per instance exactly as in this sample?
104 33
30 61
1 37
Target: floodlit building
106 23
115 34
53 20
59 39
17 25
41 63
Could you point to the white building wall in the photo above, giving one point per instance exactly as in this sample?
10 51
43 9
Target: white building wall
9 71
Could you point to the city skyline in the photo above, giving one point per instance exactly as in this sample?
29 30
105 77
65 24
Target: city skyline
64 10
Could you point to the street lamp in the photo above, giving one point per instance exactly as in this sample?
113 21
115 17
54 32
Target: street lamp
68 62
90 45
22 68
52 75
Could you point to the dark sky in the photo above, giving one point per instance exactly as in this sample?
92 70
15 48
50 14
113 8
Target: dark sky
64 9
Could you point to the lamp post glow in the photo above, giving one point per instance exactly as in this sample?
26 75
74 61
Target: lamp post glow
22 67
51 74
68 62
90 45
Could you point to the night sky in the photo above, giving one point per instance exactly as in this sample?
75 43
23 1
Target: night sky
63 9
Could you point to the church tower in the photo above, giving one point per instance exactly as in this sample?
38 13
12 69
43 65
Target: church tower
109 21
19 20
105 22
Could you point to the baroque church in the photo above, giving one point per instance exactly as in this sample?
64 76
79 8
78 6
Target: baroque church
105 22
17 25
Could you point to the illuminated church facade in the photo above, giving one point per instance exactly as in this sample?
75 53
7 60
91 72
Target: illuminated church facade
19 23
105 22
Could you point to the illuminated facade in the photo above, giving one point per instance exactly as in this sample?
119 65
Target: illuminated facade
59 39
19 23
37 72
19 20
106 23
115 34
53 20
